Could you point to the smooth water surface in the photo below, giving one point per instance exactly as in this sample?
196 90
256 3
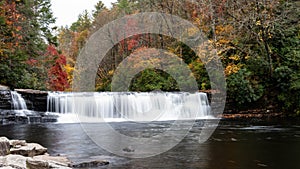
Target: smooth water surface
232 146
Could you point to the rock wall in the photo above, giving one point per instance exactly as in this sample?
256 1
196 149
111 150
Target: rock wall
35 100
5 100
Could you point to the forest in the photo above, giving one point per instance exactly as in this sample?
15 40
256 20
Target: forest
257 42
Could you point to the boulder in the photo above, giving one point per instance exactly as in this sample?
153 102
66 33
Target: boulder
57 160
37 164
4 146
17 143
21 162
30 150
14 161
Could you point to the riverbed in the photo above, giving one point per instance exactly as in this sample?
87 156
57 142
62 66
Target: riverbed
234 145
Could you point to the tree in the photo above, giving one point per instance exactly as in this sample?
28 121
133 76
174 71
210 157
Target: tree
83 22
25 31
99 7
57 76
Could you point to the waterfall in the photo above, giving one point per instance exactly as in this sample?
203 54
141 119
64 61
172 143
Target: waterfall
131 106
18 101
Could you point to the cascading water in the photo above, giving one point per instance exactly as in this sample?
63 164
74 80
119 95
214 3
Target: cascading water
21 114
19 105
18 101
131 106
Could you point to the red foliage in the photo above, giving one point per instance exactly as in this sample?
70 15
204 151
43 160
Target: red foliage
31 62
57 76
129 44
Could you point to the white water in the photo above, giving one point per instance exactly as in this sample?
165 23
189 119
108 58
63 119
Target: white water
19 104
116 107
18 101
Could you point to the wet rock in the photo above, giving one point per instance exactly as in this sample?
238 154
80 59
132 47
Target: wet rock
92 164
36 100
5 100
4 146
128 149
30 150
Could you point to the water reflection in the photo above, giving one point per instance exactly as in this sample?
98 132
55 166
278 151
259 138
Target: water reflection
231 147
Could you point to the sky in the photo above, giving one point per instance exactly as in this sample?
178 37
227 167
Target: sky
67 11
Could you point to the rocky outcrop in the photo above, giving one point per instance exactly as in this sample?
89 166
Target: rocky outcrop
15 117
23 155
18 154
5 100
35 100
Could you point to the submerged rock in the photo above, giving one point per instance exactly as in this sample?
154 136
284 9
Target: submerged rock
128 149
91 164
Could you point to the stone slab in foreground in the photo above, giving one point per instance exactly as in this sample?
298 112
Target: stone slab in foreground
18 154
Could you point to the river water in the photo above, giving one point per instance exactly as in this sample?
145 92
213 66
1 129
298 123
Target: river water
234 145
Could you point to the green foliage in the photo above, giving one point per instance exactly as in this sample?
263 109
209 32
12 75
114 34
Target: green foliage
124 6
98 8
153 80
257 41
242 88
200 73
26 28
83 22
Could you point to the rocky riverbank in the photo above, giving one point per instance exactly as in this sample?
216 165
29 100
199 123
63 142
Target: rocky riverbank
18 154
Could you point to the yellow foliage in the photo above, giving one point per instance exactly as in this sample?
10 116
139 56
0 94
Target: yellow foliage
111 72
234 57
223 41
258 23
69 70
223 29
232 68
192 31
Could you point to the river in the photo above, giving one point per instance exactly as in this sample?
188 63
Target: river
234 145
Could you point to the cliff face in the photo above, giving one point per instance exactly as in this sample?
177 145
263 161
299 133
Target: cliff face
5 100
35 100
